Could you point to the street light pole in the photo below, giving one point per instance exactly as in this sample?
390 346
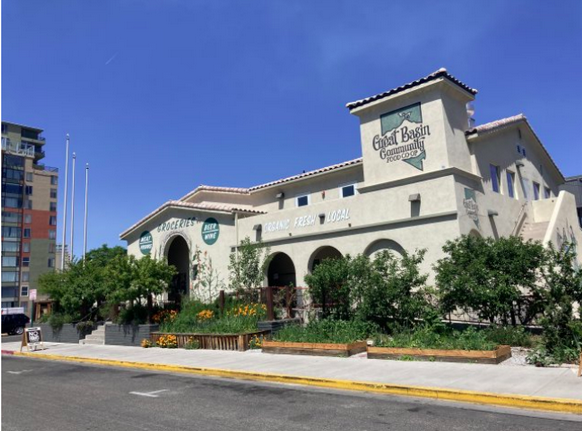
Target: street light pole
73 206
86 208
64 241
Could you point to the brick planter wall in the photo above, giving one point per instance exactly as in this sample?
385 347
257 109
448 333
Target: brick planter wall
128 335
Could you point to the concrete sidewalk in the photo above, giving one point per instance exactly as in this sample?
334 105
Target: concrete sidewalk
495 380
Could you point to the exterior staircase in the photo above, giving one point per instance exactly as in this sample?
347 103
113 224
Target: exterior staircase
534 231
96 337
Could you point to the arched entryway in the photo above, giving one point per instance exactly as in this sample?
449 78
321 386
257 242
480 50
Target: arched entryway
179 256
383 244
281 271
325 252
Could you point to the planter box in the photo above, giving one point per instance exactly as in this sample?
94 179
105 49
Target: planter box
477 356
314 349
238 342
128 335
68 333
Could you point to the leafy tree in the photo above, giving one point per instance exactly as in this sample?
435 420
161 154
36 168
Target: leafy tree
248 266
329 287
495 279
391 290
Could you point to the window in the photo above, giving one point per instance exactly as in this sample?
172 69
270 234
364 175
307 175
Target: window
29 177
347 190
54 180
26 247
27 218
11 247
26 261
547 193
518 149
495 177
523 152
536 190
11 202
25 276
53 193
28 190
511 184
28 204
24 291
10 261
52 234
51 262
9 277
53 220
27 233
52 247
14 189
10 217
53 206
302 200
10 232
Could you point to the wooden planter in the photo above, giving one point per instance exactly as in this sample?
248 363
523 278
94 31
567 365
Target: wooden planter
238 342
315 349
477 356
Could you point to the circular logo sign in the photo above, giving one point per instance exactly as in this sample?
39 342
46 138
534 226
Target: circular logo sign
146 242
210 230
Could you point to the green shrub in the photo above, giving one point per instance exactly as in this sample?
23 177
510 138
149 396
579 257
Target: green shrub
427 337
57 320
137 314
327 331
510 336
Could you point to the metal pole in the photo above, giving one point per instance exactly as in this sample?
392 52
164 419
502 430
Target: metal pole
86 207
64 241
73 206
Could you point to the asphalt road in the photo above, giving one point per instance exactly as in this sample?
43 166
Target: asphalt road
47 395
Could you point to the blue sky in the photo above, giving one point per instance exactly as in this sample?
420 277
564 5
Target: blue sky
161 96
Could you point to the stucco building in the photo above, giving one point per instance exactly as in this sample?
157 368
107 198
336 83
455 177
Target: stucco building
426 175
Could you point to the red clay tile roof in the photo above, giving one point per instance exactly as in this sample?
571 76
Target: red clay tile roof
199 206
203 188
441 73
308 174
503 123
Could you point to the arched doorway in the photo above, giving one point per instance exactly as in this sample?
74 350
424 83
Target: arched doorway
325 252
383 244
179 256
281 271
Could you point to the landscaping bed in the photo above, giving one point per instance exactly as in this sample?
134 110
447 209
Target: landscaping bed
315 349
237 342
500 354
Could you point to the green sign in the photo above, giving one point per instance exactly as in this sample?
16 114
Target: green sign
146 242
210 231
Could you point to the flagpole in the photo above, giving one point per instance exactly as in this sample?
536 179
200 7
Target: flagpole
86 208
73 206
64 241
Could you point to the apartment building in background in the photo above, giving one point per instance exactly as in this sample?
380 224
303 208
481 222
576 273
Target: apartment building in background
29 216
574 186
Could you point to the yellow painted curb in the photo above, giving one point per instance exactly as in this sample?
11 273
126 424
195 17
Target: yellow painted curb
562 405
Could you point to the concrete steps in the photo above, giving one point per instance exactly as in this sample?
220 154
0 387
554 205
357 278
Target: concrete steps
96 337
534 231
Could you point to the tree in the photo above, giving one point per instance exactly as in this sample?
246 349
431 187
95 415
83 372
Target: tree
329 287
495 279
248 267
390 289
207 281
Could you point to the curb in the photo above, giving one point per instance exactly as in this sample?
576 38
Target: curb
561 405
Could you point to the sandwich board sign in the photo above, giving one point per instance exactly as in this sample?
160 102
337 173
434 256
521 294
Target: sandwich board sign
32 337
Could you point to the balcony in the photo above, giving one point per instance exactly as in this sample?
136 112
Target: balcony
44 168
19 149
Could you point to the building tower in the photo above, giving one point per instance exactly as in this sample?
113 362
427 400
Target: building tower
29 216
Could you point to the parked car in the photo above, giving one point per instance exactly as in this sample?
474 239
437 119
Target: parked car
14 323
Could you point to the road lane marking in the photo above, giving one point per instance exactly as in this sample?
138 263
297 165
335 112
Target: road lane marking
149 394
19 372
